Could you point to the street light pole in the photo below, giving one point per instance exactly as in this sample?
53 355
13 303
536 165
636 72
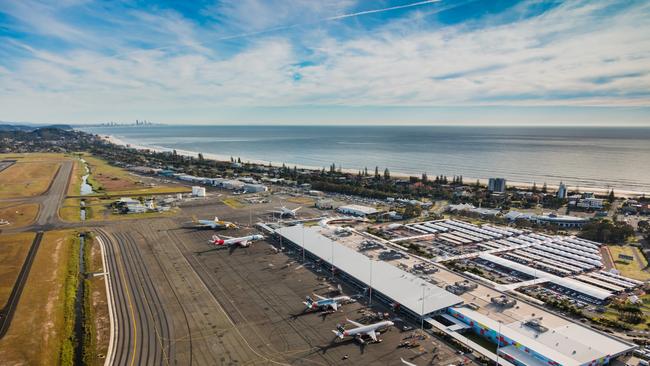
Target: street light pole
422 313
303 243
370 287
498 343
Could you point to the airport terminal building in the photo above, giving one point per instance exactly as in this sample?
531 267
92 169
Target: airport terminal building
391 285
529 341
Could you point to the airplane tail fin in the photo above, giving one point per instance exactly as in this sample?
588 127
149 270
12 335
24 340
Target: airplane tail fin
194 219
308 301
216 219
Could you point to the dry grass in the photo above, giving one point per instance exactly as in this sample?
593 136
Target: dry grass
18 215
13 250
302 200
36 333
631 269
233 203
25 179
78 171
108 179
98 303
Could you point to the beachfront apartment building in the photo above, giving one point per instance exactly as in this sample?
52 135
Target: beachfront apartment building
497 185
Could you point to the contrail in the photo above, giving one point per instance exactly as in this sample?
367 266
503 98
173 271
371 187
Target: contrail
336 17
419 3
286 27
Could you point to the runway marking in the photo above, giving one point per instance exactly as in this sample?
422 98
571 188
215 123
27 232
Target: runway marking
109 301
128 296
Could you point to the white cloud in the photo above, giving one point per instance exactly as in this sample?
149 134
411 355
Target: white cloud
574 54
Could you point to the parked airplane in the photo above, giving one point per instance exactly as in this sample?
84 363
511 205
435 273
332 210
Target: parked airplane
243 241
361 330
285 212
326 302
215 224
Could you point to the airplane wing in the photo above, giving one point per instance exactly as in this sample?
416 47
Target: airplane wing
372 335
335 306
407 363
356 324
226 237
319 296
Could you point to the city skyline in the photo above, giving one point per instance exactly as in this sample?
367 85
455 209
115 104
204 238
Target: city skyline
339 62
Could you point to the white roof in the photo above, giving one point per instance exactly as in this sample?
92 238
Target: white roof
366 210
399 285
569 283
569 345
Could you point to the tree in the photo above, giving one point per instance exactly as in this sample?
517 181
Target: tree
424 178
477 184
386 174
544 188
201 157
534 187
377 176
611 197
239 160
365 171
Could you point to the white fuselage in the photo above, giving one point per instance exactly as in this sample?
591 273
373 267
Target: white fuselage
365 329
243 241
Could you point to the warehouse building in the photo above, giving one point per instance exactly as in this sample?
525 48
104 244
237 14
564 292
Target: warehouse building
357 210
390 285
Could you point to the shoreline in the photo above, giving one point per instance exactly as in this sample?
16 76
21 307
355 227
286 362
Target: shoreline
467 180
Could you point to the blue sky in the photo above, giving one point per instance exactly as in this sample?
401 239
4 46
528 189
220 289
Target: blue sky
334 61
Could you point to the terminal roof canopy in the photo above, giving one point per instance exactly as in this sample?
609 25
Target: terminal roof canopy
401 286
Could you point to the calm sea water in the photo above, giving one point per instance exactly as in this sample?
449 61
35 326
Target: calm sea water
585 157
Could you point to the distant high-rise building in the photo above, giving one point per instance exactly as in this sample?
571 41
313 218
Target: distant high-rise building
497 185
561 191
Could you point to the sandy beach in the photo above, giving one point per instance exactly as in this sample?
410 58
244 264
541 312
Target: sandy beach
467 180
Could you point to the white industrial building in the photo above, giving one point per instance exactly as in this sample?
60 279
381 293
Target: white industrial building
357 210
198 191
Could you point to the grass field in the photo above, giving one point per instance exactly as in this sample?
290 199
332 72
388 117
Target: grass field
13 250
18 215
26 179
233 203
97 325
78 171
302 200
39 329
111 180
632 269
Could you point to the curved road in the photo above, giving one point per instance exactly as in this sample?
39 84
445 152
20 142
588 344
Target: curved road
142 332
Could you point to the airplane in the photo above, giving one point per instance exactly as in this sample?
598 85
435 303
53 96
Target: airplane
361 330
324 302
243 241
215 224
285 212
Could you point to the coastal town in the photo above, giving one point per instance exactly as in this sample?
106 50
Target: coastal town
475 273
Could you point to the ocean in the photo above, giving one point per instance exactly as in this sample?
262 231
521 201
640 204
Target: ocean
584 157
